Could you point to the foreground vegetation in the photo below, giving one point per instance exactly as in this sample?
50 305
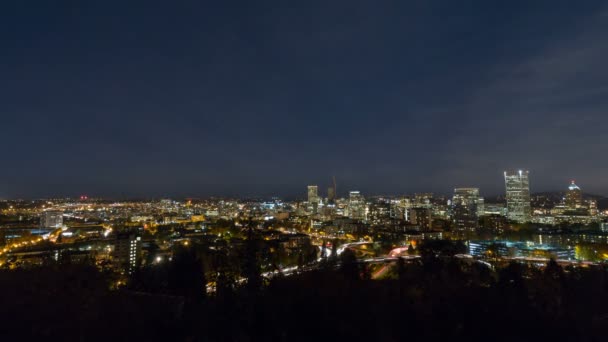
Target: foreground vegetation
433 297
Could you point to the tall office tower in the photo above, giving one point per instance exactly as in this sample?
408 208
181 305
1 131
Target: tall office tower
466 208
51 219
313 193
356 206
379 212
127 252
574 196
331 195
518 196
313 197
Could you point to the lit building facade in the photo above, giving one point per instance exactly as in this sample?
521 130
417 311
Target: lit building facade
517 186
467 207
51 219
379 212
421 217
423 200
313 193
574 196
127 252
313 197
356 206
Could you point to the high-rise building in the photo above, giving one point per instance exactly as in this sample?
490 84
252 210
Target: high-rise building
356 206
574 196
421 217
331 194
127 252
51 219
593 207
518 196
313 193
313 198
379 212
466 208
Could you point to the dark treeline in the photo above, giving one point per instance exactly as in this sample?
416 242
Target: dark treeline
432 298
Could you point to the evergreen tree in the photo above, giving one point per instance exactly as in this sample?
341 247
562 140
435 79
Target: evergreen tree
300 260
333 257
401 268
411 250
348 265
224 276
251 268
323 251
186 274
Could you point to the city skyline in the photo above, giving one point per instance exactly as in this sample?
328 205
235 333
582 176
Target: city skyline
314 191
303 170
242 99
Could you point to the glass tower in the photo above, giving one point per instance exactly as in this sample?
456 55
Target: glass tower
518 196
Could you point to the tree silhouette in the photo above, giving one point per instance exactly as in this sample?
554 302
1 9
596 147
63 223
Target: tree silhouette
333 258
300 260
251 269
224 275
401 269
411 250
186 274
348 265
152 250
323 248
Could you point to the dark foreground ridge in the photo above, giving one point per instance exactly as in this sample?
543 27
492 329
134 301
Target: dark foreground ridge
431 298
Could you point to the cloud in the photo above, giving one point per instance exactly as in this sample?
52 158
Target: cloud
547 112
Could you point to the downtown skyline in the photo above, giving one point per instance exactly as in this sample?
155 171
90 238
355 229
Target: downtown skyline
322 190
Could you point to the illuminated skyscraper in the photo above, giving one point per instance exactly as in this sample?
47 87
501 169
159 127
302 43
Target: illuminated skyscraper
127 252
313 193
466 208
356 206
574 196
313 197
379 212
518 196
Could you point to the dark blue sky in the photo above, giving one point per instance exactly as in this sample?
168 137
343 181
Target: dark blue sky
199 98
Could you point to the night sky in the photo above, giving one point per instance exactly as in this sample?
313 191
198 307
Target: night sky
201 98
